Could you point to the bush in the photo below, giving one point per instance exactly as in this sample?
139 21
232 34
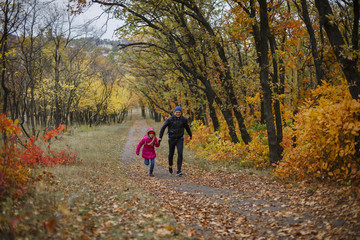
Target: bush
217 146
325 129
17 162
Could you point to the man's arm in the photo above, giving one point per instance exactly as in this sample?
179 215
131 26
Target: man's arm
163 128
187 127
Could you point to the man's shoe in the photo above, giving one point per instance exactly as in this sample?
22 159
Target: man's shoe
170 170
179 173
152 175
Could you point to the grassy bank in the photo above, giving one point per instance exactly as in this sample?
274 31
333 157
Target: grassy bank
93 199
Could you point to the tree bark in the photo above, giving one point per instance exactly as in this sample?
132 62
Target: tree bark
314 48
274 155
143 113
4 42
348 65
213 115
57 59
355 32
275 81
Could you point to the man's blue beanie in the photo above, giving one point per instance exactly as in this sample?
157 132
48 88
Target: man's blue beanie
178 109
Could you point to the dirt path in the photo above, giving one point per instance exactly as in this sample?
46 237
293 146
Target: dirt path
214 205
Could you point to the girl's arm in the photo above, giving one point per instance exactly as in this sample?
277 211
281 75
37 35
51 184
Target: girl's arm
139 146
157 144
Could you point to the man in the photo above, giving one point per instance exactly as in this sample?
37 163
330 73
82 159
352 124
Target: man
176 125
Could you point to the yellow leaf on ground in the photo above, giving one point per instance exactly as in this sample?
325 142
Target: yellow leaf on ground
163 232
64 210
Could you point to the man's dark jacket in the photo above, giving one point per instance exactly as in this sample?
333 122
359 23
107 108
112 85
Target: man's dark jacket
176 127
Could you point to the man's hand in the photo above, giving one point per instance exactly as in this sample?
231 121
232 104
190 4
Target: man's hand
190 137
159 140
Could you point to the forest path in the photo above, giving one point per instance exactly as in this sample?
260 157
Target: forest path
218 205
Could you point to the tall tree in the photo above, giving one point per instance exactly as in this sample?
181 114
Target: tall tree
10 19
186 55
349 64
31 43
60 33
222 66
262 38
304 13
274 152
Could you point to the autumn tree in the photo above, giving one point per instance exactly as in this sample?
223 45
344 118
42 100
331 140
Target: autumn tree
316 53
241 62
191 22
263 37
344 43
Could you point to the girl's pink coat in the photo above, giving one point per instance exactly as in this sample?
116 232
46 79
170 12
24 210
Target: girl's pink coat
148 151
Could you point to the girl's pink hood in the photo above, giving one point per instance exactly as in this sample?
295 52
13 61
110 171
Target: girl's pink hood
149 130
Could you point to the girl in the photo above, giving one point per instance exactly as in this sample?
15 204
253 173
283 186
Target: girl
148 152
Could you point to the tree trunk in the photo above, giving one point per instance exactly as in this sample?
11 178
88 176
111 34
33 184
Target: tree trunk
240 119
265 84
157 117
32 110
277 107
355 33
57 59
213 115
3 62
143 113
314 49
349 66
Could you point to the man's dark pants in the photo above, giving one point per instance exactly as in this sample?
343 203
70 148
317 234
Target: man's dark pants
179 144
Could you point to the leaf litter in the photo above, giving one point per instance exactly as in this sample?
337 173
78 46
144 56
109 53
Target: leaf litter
112 197
219 205
93 200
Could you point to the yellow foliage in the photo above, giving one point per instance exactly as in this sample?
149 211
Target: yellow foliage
217 146
325 130
254 100
121 98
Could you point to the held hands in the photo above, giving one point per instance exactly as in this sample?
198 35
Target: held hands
159 140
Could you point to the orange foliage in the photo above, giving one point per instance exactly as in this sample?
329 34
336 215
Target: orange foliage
50 134
17 163
11 176
217 146
325 130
